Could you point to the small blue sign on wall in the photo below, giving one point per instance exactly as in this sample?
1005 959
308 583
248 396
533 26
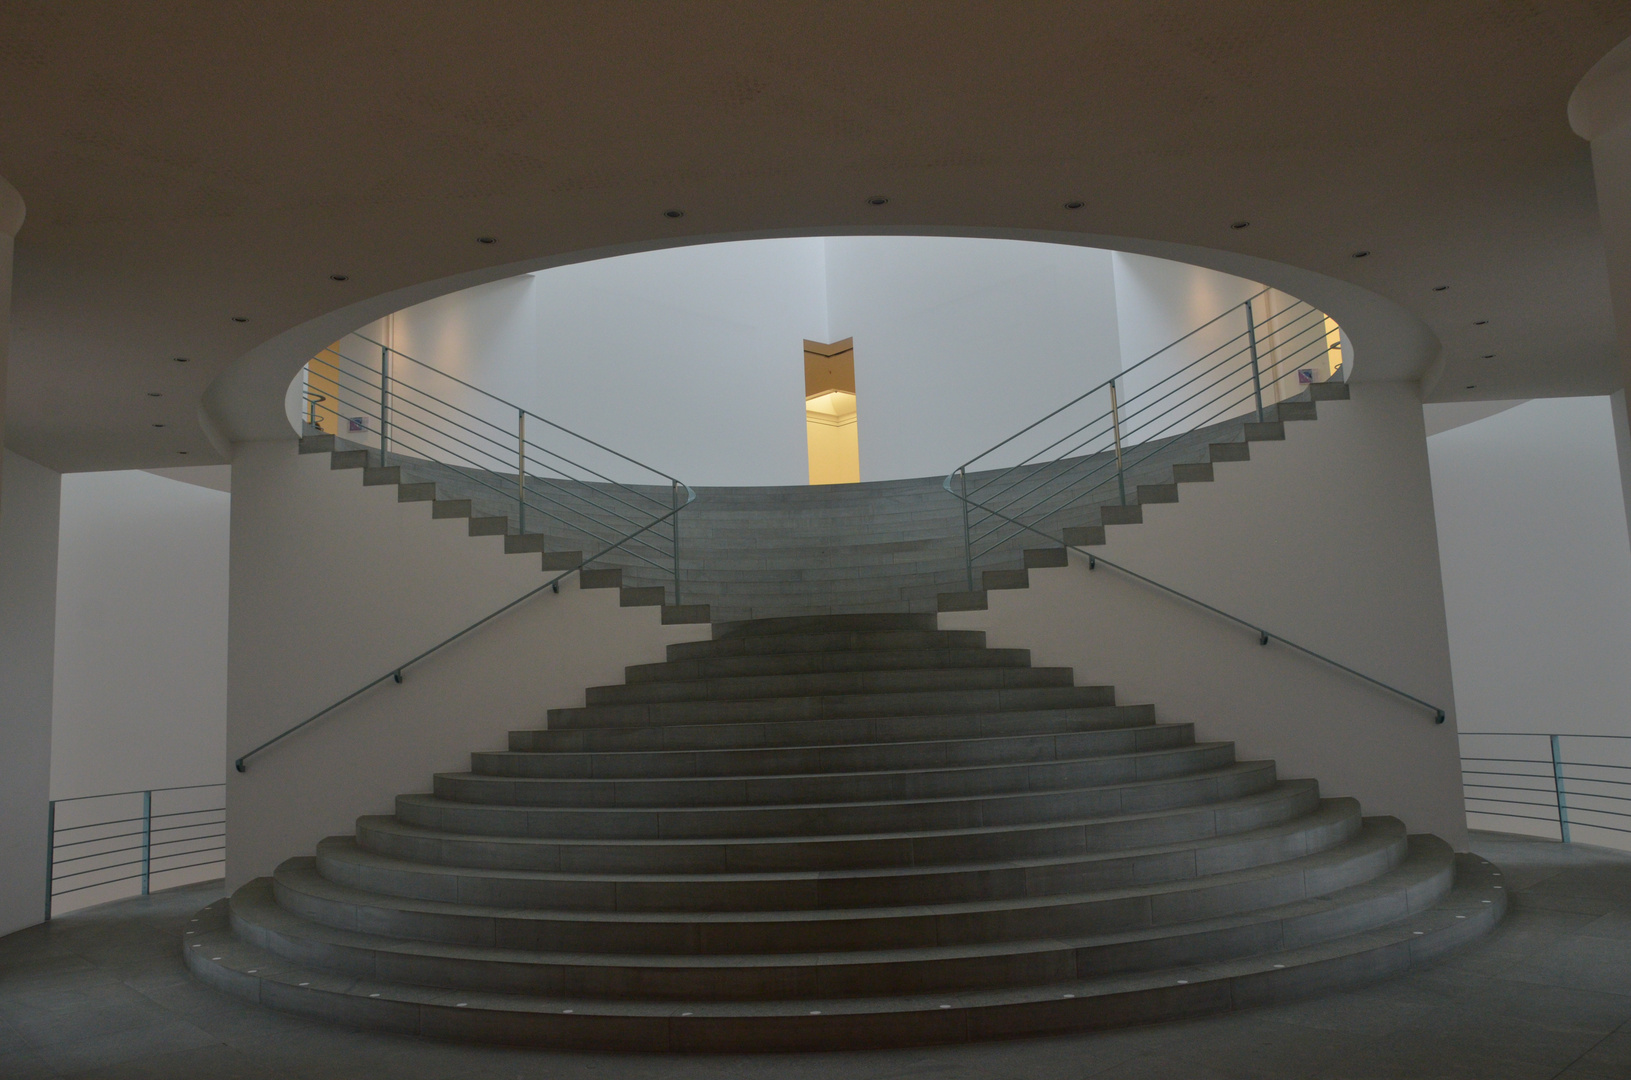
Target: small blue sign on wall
356 423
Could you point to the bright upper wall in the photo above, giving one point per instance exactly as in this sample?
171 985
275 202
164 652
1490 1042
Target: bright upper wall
1537 567
692 358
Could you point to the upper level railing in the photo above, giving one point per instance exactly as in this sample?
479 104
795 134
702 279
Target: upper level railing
1572 781
130 839
562 488
1090 450
568 491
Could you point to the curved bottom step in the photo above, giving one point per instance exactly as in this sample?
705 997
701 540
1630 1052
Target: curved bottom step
1474 905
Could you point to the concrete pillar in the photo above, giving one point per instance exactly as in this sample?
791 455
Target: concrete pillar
1600 111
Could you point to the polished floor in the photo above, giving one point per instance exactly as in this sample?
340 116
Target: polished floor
103 993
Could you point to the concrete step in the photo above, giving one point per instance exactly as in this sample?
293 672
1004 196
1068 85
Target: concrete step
983 748
842 641
1285 974
823 683
826 819
832 706
826 624
829 788
811 663
343 861
796 936
804 733
1273 806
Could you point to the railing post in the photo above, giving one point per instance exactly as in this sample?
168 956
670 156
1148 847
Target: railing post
384 388
1115 426
50 852
674 521
968 547
1562 801
521 471
1257 378
147 839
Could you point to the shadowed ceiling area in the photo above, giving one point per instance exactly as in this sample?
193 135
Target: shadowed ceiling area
188 164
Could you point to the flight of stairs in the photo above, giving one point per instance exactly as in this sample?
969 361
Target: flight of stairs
832 832
896 545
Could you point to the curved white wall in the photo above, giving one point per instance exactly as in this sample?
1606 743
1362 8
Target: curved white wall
692 358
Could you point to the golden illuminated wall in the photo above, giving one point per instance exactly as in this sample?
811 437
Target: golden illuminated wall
829 412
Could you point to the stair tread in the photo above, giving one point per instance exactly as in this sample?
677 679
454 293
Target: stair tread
1239 768
1330 811
1427 853
1279 790
1471 908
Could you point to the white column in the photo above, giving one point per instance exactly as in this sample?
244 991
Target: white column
1600 111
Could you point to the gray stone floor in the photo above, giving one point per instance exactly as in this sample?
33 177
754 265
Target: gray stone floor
102 993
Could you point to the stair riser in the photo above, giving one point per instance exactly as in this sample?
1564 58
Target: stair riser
908 1024
795 854
833 707
825 624
711 822
985 881
840 642
824 662
941 680
897 929
833 787
675 936
944 753
802 733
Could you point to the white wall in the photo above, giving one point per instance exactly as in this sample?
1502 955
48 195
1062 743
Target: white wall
28 584
307 541
1326 538
1537 568
140 678
691 359
959 343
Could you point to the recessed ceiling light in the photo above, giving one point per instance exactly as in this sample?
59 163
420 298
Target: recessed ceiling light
180 359
877 200
158 425
1361 254
154 393
1440 288
1241 225
676 213
339 277
240 318
1074 204
486 239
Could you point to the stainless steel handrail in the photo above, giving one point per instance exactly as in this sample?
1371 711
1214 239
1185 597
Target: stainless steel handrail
396 672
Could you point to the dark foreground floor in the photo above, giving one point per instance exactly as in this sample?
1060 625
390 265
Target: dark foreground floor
103 993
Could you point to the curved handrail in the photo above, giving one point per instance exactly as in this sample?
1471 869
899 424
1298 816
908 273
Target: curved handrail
240 764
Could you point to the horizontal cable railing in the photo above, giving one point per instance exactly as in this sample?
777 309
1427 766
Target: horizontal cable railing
132 838
1053 474
1566 780
562 489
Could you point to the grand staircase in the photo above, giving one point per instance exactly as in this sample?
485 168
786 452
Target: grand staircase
840 831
